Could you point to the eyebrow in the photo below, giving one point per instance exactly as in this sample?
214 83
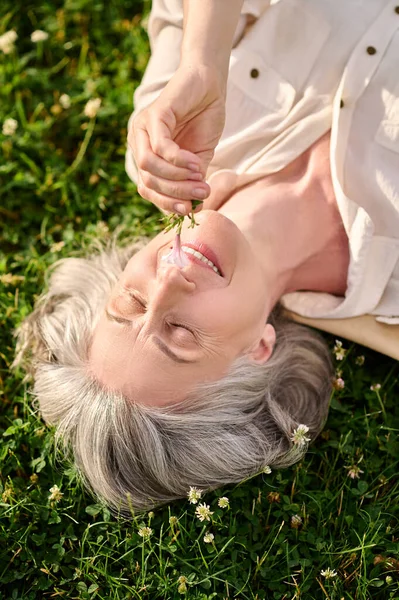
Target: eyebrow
159 343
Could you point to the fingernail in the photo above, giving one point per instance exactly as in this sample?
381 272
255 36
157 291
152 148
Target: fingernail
194 167
200 193
180 208
196 176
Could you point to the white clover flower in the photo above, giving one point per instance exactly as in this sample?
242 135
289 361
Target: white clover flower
173 521
296 521
208 538
339 351
338 383
39 36
194 495
10 36
9 127
375 387
354 471
328 573
340 354
65 101
91 108
223 502
10 279
7 41
267 470
55 494
360 360
182 589
145 532
203 512
57 246
151 514
299 435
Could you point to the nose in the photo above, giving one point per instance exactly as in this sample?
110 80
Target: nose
169 286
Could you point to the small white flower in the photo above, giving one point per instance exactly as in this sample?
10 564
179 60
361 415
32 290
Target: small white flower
7 41
360 360
182 589
173 521
340 355
339 351
223 502
338 383
57 246
375 387
151 514
203 512
91 108
299 435
208 538
65 101
266 469
145 532
39 36
328 573
194 495
354 471
55 494
296 521
9 127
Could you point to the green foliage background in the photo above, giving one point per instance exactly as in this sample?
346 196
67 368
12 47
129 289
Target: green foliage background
63 184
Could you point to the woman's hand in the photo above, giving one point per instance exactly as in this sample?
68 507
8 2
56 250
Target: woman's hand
174 139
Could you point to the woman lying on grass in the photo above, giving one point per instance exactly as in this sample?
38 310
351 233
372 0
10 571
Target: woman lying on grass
163 376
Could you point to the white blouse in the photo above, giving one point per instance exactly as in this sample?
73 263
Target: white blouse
298 69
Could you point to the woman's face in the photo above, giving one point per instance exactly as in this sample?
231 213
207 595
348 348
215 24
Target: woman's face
166 329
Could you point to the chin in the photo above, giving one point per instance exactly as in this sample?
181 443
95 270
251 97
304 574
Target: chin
215 219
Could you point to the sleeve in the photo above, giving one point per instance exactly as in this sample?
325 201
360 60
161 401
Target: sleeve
165 31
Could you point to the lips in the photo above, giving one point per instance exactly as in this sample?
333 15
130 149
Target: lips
206 251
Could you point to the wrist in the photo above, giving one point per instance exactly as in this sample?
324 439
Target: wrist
212 74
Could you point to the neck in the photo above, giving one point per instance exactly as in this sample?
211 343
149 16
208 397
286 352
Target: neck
294 227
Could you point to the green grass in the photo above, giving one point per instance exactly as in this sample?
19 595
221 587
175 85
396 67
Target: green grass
58 191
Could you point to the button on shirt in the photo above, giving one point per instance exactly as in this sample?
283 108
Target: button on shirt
299 68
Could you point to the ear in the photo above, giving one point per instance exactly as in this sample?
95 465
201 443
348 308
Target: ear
262 350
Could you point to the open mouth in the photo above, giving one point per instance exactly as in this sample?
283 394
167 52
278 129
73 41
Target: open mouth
205 256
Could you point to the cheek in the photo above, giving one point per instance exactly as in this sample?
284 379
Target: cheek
233 311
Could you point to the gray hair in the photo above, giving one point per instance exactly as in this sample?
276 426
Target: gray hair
135 456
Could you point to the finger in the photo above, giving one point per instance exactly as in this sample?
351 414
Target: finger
146 160
162 144
178 190
165 202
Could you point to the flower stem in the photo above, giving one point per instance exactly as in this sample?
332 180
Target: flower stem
83 148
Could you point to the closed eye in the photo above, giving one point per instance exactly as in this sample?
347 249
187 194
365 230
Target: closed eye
139 301
180 325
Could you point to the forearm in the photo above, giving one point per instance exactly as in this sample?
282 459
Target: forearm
209 27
